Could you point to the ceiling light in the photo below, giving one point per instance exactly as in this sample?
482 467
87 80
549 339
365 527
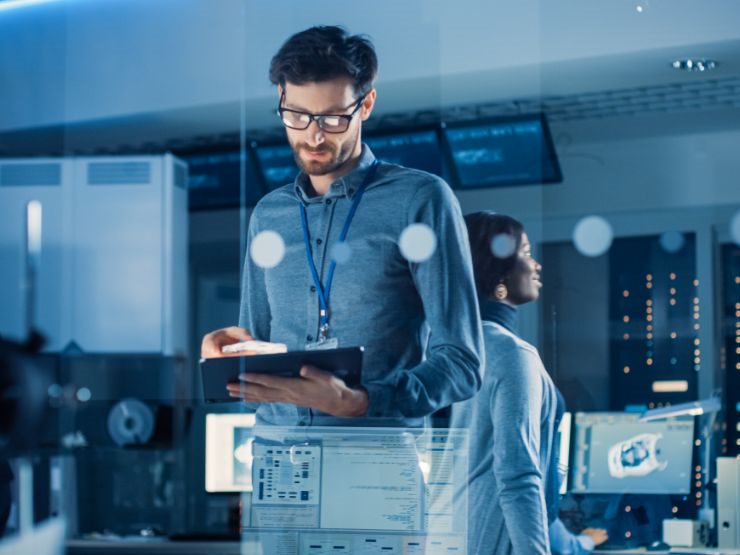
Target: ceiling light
695 64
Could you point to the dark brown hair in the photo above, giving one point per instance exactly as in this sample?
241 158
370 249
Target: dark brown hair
489 269
322 54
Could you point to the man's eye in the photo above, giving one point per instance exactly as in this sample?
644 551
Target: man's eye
332 121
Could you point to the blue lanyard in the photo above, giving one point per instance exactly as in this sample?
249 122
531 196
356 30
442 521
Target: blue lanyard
325 291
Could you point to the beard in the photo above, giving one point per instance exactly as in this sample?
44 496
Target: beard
336 157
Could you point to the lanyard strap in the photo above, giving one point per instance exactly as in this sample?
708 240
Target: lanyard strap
325 291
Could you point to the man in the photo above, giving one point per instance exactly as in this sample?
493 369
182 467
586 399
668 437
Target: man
398 310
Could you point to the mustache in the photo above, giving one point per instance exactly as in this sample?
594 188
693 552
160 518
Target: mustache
315 150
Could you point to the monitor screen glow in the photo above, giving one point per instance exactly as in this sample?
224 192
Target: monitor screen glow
615 453
229 452
420 150
502 152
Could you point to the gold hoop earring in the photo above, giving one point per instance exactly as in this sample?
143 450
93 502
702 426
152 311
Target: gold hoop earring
501 292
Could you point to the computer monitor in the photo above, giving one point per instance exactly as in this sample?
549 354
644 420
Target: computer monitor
514 150
277 164
215 180
563 444
615 453
419 149
229 452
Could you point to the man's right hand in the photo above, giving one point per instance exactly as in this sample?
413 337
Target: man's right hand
599 535
214 341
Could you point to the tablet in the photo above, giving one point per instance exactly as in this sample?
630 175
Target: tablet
344 363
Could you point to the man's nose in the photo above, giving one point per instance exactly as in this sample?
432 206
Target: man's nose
315 134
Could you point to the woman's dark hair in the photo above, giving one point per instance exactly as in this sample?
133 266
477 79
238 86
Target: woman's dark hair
489 269
322 54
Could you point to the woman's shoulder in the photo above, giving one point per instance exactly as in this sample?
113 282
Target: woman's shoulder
504 339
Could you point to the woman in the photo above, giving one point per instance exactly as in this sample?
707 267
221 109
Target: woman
513 420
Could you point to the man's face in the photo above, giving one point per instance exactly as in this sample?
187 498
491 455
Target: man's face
316 151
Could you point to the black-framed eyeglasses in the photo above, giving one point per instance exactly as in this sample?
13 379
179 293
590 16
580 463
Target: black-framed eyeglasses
331 123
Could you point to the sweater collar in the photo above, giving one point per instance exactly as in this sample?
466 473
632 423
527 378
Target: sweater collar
500 313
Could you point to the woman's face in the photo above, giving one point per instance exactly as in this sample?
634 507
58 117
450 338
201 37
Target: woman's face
523 282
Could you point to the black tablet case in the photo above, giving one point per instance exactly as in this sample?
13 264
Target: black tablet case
345 363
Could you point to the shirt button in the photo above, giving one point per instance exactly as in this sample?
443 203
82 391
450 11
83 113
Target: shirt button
328 201
319 241
309 338
313 289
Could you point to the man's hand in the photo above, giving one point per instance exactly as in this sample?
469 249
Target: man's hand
599 535
315 389
216 340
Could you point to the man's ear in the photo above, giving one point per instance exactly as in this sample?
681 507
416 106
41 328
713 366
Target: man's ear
368 104
280 91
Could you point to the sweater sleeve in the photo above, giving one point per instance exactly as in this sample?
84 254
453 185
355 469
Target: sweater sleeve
516 409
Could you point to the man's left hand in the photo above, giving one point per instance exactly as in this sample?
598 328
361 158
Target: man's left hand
315 389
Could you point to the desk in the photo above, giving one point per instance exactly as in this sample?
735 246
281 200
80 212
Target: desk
156 546
675 550
162 546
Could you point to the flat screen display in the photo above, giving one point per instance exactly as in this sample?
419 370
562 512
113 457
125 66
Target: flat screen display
501 152
215 180
228 452
277 165
616 453
415 149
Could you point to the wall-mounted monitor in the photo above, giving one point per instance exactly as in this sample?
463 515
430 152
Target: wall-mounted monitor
419 149
215 180
500 152
276 163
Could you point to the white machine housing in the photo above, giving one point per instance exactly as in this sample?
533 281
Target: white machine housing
728 502
113 270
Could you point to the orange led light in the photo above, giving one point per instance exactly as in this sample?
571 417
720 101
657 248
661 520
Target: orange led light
626 293
672 276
